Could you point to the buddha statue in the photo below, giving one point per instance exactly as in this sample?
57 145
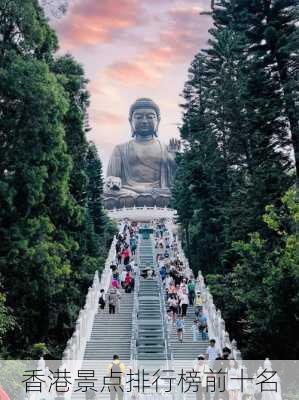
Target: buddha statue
140 171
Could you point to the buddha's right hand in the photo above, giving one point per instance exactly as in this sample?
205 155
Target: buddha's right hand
113 183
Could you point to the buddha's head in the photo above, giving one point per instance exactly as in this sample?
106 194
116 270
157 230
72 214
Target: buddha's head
144 118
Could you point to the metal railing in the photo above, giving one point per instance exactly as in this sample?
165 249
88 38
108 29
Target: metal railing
216 324
166 332
135 314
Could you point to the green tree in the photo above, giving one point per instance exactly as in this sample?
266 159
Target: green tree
263 288
236 159
95 189
47 257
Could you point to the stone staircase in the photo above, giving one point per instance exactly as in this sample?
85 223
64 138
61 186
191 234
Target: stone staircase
188 350
111 334
151 335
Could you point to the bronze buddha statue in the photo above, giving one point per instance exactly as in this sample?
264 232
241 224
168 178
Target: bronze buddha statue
140 171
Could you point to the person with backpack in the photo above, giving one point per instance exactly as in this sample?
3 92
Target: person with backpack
203 325
116 372
191 292
133 245
198 304
126 255
113 299
102 300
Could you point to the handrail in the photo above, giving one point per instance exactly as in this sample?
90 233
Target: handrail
166 333
133 346
216 324
74 351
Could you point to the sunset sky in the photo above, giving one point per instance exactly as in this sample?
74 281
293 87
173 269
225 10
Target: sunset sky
131 49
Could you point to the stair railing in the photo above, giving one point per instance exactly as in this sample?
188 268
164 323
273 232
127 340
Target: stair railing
74 352
166 332
216 324
134 335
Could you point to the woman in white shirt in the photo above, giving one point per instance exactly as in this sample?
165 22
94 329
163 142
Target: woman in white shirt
201 368
233 381
184 302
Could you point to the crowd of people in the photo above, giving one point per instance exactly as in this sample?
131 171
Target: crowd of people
124 268
179 284
180 289
181 292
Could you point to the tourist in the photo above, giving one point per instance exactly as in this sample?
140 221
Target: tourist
115 283
123 277
191 291
184 302
180 324
198 303
128 283
169 318
203 331
195 331
201 369
113 300
102 300
163 272
212 353
168 282
226 353
115 275
133 245
233 376
126 255
116 372
119 256
203 325
173 306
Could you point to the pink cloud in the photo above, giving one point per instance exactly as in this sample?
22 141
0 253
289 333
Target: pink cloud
186 34
136 72
90 22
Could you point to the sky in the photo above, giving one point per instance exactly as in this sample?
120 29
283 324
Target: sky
131 49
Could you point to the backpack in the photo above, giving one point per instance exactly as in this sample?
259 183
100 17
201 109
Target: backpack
191 287
179 324
116 374
101 301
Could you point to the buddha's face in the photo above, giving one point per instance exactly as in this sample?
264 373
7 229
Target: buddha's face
144 122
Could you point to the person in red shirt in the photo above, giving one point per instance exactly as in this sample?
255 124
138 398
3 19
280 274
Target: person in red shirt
128 283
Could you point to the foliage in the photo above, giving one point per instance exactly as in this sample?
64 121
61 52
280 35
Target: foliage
7 321
49 250
237 162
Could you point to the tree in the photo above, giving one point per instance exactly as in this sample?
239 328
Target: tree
263 288
95 189
236 161
47 256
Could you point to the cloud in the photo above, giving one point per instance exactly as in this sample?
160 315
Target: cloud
136 72
90 22
187 32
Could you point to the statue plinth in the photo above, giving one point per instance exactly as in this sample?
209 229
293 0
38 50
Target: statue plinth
112 201
140 171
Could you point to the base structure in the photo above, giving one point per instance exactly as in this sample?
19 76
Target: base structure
142 214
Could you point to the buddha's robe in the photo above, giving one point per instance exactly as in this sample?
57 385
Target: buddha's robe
143 166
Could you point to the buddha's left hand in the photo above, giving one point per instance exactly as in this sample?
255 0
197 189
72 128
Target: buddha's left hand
174 145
